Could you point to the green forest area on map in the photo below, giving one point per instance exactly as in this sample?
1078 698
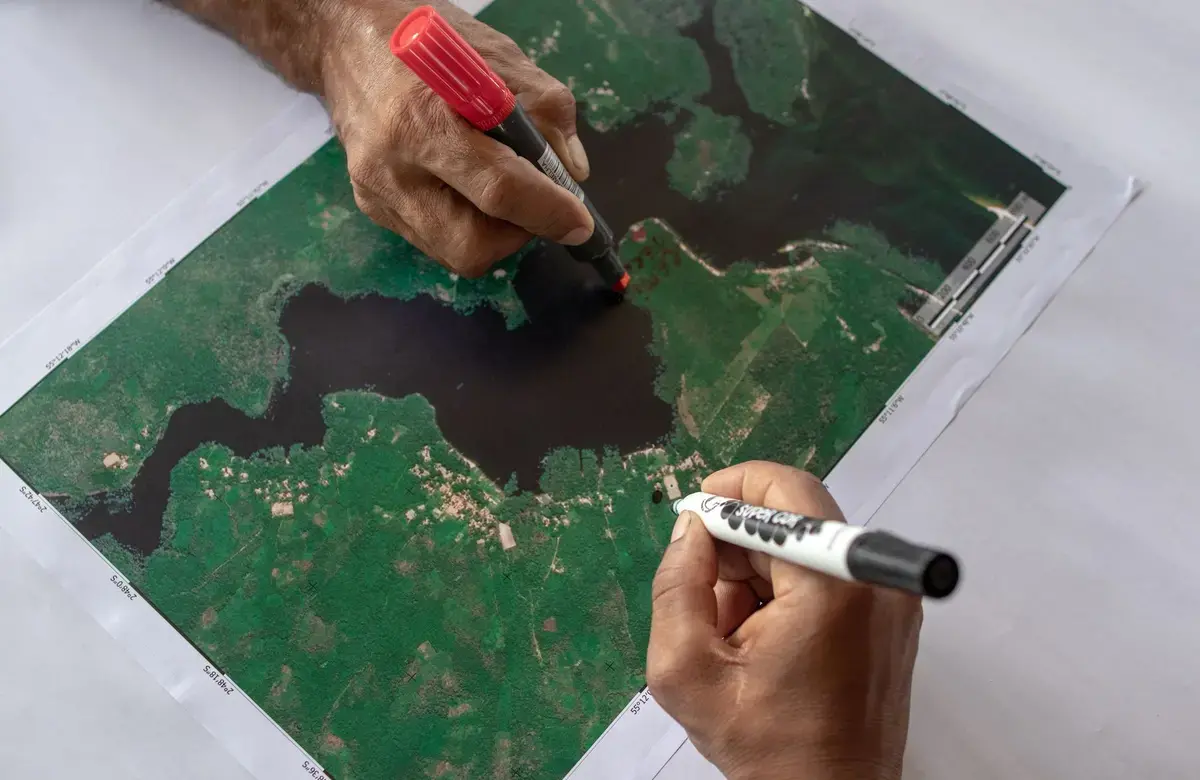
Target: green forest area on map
399 594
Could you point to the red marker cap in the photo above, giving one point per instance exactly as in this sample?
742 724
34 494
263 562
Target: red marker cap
434 50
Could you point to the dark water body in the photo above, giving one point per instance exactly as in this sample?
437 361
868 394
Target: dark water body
803 179
578 374
753 219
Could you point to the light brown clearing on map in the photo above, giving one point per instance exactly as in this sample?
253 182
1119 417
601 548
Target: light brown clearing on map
502 759
115 460
319 636
281 686
685 410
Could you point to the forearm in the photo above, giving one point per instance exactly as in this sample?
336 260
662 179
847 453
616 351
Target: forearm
289 35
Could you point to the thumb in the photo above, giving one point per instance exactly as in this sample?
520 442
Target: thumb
684 638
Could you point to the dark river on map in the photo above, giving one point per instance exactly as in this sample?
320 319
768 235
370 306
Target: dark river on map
577 374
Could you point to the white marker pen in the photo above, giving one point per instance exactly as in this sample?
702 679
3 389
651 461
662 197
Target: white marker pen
848 552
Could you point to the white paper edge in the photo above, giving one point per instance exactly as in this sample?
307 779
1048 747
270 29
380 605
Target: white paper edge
872 469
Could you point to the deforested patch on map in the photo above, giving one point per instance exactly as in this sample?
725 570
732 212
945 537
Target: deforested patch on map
416 517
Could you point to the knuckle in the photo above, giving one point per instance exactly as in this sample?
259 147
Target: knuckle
916 618
847 605
557 224
666 582
465 256
780 470
442 134
361 198
500 49
666 676
497 190
812 480
362 171
367 205
395 115
474 267
812 485
904 607
369 173
395 131
560 98
552 102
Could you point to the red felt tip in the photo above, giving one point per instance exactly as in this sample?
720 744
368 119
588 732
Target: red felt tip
434 50
621 285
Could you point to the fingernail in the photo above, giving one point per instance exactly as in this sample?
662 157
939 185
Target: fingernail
681 525
578 156
577 236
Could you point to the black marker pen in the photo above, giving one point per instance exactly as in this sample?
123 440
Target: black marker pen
848 552
434 50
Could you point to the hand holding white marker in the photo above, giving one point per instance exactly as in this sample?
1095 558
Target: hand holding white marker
776 671
848 552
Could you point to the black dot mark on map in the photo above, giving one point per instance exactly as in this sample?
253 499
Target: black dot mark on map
657 496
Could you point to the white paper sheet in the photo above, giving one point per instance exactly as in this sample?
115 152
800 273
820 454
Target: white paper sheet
1036 293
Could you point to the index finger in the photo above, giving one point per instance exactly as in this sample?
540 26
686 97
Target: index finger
684 632
508 187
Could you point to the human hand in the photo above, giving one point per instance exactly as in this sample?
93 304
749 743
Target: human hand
814 684
421 170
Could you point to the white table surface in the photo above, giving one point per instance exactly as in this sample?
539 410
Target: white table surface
110 110
1072 650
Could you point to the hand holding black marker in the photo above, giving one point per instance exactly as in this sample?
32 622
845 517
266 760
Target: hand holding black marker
848 552
433 50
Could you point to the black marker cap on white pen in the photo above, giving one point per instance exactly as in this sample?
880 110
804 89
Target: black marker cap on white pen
879 558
